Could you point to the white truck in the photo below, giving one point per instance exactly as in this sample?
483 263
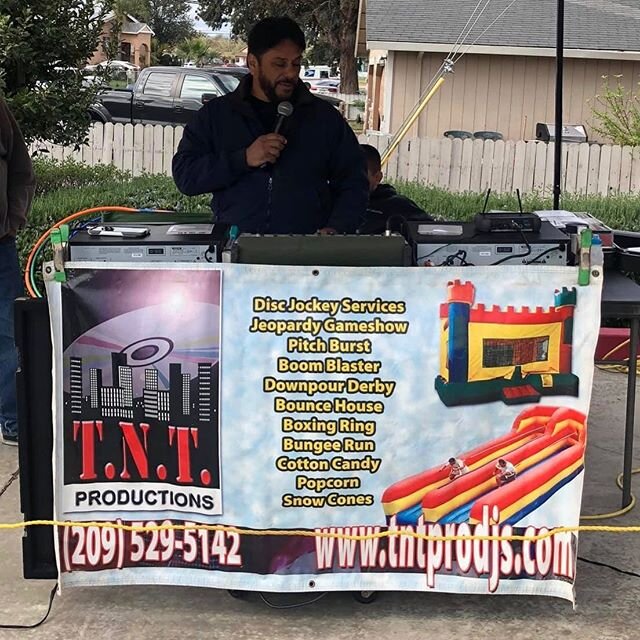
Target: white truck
319 72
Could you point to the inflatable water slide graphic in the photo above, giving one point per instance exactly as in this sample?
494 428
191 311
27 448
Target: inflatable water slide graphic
546 445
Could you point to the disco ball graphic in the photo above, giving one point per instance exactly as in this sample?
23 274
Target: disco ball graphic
144 353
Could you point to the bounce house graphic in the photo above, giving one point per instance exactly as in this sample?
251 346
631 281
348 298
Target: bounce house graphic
546 446
513 355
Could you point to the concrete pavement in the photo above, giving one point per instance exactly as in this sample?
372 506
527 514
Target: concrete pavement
608 603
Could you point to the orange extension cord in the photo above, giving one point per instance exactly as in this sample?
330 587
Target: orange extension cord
45 235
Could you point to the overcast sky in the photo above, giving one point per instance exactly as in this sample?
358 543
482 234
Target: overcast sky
205 28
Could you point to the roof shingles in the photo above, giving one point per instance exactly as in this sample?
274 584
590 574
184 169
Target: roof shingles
612 25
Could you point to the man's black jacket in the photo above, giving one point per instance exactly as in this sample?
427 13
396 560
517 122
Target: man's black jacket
318 181
385 202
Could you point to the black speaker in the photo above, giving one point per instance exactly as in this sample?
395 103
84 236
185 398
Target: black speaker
35 433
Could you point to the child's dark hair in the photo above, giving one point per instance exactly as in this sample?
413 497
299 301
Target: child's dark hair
372 157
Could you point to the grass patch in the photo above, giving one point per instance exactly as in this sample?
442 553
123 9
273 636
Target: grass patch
67 187
616 211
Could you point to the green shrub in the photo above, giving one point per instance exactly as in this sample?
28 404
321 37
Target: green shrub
617 112
52 175
148 192
67 187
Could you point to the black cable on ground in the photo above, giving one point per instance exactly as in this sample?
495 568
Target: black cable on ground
52 595
610 566
9 482
292 605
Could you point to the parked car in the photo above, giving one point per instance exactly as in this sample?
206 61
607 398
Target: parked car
230 74
119 74
113 64
170 95
325 91
320 87
163 95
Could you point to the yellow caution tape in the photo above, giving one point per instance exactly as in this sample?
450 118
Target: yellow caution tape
321 534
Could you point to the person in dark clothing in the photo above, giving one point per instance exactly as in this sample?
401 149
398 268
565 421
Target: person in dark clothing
384 200
17 186
310 177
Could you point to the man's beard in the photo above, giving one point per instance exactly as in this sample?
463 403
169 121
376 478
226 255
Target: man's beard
269 89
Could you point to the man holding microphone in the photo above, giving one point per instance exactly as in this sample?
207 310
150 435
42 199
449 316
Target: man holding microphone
275 158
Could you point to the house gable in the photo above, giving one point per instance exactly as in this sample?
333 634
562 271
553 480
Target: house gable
130 25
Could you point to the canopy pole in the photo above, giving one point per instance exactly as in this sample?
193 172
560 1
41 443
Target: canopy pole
557 170
430 91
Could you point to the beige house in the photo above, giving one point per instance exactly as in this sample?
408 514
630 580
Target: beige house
134 41
505 81
241 58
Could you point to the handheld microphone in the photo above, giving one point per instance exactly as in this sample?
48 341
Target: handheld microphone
285 109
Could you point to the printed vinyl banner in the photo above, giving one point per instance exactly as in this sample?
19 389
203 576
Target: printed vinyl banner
329 420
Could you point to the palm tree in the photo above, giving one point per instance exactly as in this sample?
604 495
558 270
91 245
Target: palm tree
183 51
162 53
197 50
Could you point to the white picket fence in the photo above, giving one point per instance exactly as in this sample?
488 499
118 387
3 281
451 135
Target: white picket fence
456 165
504 166
138 149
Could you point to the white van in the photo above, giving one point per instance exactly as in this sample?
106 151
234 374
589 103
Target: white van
320 72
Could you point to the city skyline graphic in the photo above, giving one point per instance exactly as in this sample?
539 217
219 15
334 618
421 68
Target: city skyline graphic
186 399
140 380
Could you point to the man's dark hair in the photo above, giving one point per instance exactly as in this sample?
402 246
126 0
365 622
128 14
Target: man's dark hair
270 32
372 156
